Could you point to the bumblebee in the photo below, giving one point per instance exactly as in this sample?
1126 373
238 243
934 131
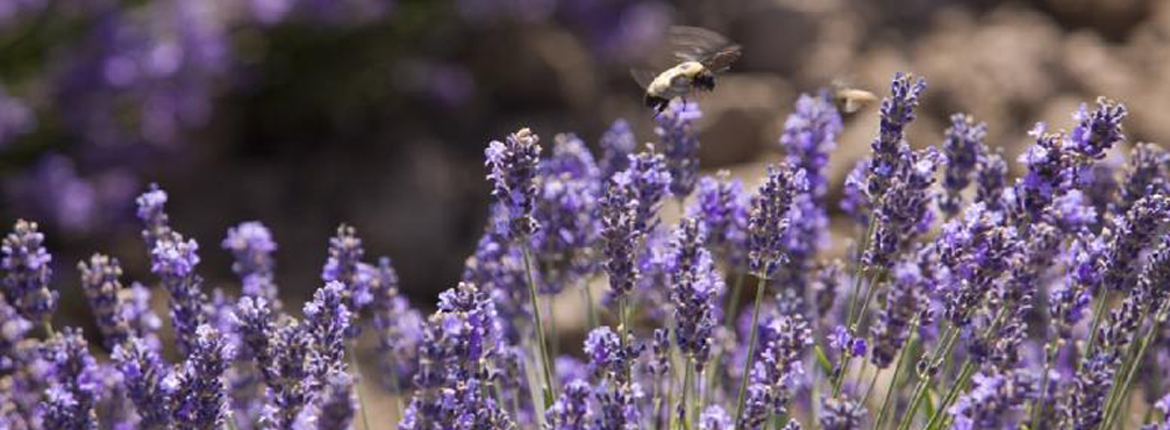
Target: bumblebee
701 54
849 99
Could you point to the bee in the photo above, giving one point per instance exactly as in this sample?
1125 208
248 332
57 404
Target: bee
849 99
701 54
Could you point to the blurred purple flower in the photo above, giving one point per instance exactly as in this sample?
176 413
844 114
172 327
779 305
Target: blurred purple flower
680 144
962 148
25 263
617 143
810 134
769 218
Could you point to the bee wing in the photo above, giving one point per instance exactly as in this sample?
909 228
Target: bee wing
720 61
643 77
695 44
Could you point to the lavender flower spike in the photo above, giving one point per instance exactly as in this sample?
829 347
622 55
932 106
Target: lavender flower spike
512 169
338 403
148 382
201 397
697 284
328 320
251 244
769 218
896 112
680 145
620 234
26 273
649 178
1098 131
962 147
571 410
722 206
99 280
74 389
1132 234
990 405
810 134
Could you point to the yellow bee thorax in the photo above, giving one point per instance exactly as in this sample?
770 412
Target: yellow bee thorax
676 81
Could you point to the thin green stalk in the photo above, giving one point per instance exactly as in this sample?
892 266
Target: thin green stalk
733 305
656 405
685 401
552 329
1038 407
1111 413
872 382
1098 316
873 283
944 348
898 366
751 347
591 310
542 347
858 270
940 412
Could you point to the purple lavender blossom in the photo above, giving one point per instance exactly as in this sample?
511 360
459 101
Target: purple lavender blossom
459 406
398 327
617 144
856 202
769 218
990 179
721 205
75 383
173 260
996 401
1048 175
25 263
566 209
621 234
897 111
1084 407
255 323
680 145
1130 235
571 410
696 287
659 365
841 414
13 329
1069 299
649 178
513 169
328 321
808 232
1145 174
1154 281
201 397
99 281
291 381
251 244
1098 131
148 382
714 418
619 407
338 402
903 212
843 340
904 299
962 148
810 134
977 249
460 334
608 356
344 266
784 341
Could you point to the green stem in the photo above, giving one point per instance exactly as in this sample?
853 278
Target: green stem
685 401
872 382
751 347
733 305
591 310
541 345
898 366
552 329
1098 316
1111 413
858 269
1038 407
944 348
967 371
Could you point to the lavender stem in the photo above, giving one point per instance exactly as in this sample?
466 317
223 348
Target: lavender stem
751 346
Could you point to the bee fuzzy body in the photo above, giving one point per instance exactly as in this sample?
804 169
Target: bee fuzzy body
678 81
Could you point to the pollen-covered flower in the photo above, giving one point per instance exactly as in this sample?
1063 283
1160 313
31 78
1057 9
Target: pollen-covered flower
769 218
962 148
25 263
512 168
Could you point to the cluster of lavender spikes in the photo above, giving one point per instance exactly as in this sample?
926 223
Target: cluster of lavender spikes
1038 302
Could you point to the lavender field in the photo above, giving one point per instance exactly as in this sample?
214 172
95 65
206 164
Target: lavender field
407 223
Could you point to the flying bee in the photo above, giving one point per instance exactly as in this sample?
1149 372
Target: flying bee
701 54
849 99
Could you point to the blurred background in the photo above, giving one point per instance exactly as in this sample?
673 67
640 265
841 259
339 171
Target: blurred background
307 113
